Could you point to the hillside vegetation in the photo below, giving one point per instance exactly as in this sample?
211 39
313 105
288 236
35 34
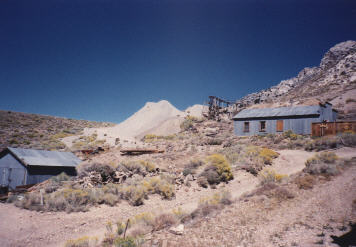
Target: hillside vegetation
39 131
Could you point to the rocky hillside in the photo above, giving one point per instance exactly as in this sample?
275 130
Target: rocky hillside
38 131
333 80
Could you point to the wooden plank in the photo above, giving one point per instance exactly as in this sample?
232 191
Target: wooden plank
279 126
139 151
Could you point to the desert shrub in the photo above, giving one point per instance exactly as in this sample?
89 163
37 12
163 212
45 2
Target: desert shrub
69 200
82 242
137 167
268 155
323 143
209 204
150 167
211 175
125 242
133 194
157 185
348 139
146 218
305 182
163 221
214 141
203 182
281 194
31 201
96 195
222 167
110 199
188 123
233 153
111 188
291 135
323 163
179 213
272 190
324 157
192 166
270 176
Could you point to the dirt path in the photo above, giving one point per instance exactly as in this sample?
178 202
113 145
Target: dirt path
20 227
291 161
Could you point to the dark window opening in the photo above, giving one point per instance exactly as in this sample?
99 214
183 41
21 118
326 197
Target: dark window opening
262 126
246 127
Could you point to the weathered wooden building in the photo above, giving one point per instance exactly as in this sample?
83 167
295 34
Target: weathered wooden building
299 119
20 166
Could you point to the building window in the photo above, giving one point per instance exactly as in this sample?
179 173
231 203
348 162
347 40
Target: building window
279 127
262 126
246 127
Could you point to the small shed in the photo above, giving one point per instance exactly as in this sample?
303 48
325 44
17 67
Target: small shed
20 166
299 119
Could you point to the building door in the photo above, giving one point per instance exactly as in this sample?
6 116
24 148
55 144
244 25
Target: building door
12 177
279 126
4 176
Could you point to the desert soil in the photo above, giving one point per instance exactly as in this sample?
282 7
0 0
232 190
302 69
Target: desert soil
20 227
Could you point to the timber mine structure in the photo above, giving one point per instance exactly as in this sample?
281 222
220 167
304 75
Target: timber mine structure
219 107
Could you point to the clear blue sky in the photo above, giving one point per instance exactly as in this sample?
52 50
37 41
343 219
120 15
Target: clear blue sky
102 60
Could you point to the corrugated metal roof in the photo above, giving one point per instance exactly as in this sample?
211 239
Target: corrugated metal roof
34 157
278 112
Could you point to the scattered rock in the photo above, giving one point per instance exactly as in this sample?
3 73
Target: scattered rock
178 230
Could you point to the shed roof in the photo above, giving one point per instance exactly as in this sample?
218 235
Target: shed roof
278 112
32 157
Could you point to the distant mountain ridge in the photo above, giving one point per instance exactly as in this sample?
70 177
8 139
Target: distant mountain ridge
334 80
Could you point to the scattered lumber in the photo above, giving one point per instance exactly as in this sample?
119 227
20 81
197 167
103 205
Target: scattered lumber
133 151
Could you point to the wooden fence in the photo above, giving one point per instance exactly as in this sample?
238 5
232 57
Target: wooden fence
333 128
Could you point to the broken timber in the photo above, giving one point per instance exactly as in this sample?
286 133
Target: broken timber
139 151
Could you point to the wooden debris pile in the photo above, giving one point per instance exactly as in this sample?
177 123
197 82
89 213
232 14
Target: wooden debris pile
139 151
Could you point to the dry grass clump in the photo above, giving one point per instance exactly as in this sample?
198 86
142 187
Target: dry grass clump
270 176
83 242
324 163
218 170
208 205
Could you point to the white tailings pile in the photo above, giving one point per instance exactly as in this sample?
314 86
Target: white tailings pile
160 118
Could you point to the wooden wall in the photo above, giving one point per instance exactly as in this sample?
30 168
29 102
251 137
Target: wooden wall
333 128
